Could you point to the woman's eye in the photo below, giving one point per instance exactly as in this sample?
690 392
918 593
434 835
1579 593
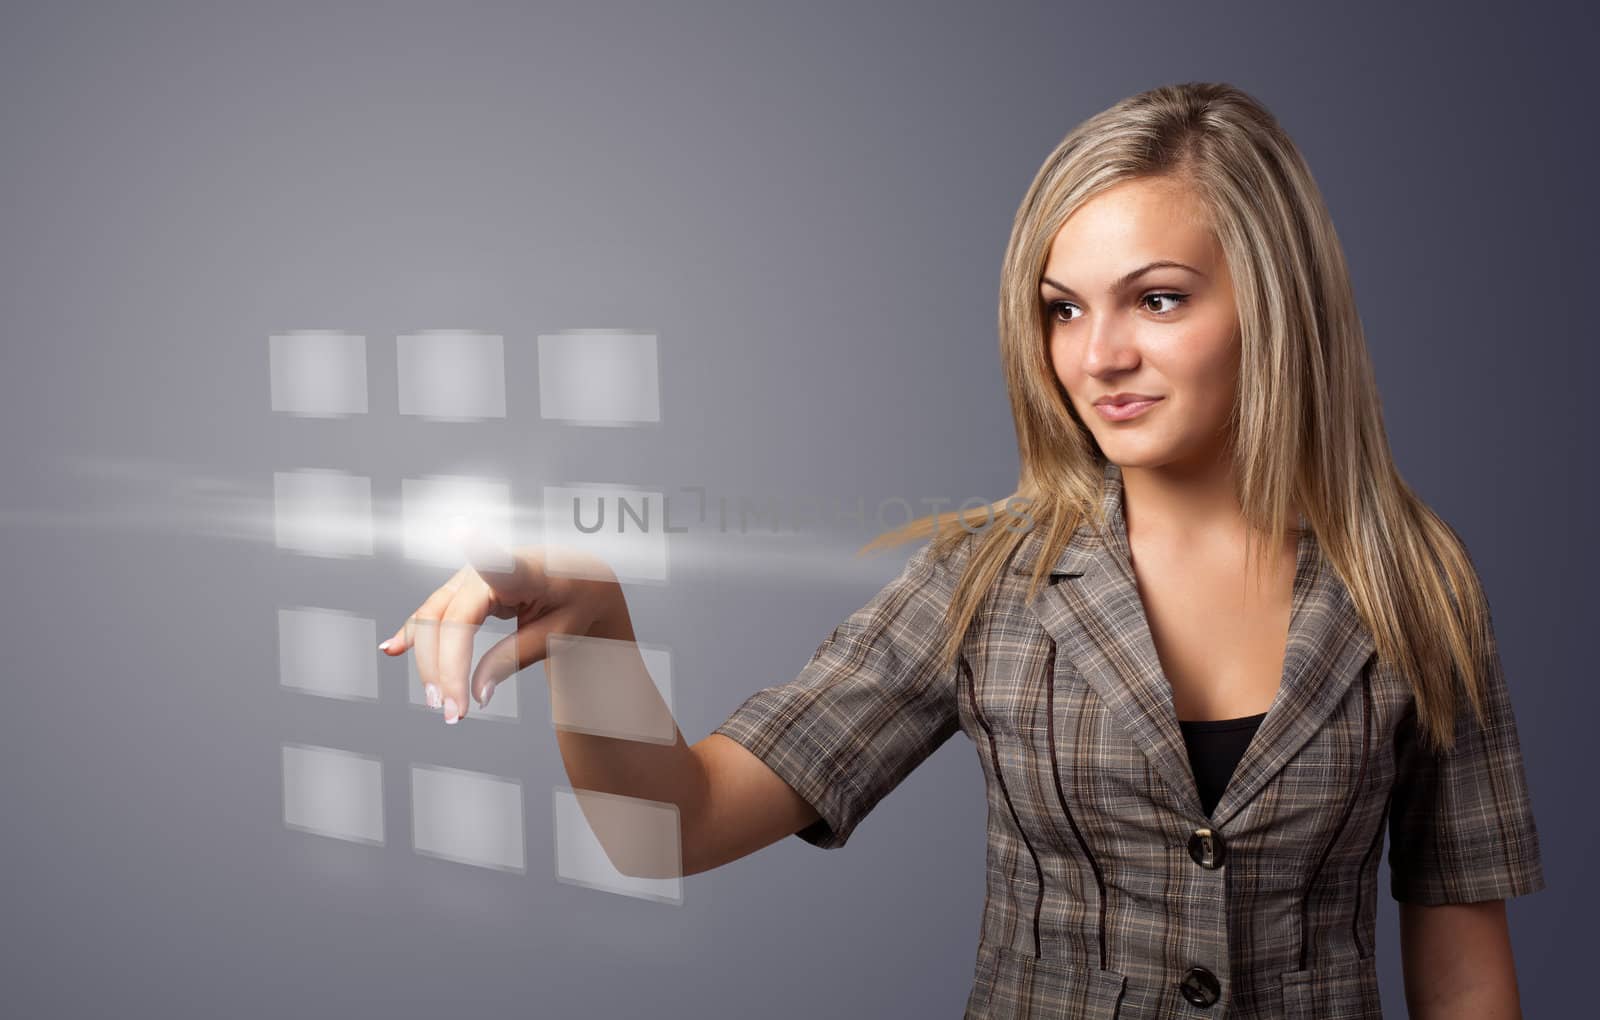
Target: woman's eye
1055 310
1177 298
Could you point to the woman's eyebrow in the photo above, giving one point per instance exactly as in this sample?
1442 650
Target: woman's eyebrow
1128 278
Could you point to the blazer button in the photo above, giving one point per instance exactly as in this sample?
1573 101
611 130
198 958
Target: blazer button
1207 849
1201 987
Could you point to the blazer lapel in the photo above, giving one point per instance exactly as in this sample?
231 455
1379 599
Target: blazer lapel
1328 648
1098 622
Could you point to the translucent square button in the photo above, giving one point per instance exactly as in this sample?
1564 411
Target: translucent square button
623 527
318 373
333 793
328 653
434 508
467 817
617 844
610 688
322 512
452 375
599 377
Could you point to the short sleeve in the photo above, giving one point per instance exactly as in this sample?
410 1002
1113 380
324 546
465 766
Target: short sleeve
1461 822
869 707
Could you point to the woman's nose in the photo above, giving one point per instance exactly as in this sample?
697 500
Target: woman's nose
1110 346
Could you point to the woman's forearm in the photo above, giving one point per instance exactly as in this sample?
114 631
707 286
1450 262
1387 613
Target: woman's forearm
628 785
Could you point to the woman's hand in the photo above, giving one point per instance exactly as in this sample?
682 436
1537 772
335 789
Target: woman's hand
505 584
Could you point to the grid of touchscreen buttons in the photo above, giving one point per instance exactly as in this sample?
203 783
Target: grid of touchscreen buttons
586 377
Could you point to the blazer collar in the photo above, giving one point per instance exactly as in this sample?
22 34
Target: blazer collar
1092 610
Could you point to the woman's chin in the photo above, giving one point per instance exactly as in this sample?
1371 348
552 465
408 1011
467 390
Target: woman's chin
1151 453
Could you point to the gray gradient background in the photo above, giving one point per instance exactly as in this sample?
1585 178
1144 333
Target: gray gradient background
809 203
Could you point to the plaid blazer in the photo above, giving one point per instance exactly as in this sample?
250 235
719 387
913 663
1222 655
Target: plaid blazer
1109 891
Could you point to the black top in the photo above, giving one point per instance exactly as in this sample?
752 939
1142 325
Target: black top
1215 747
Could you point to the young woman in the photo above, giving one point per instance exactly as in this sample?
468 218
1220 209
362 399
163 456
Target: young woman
1229 651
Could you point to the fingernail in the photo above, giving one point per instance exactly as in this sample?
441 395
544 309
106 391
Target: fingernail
432 693
488 692
385 646
451 713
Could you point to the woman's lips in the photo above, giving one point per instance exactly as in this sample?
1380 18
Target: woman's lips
1123 412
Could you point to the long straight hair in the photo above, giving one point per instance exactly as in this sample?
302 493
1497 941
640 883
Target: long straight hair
1306 427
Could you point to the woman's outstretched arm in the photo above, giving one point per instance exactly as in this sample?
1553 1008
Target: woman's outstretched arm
1457 962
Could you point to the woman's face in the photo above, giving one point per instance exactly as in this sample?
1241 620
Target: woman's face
1167 332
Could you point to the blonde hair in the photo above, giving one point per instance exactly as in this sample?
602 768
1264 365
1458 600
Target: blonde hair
1307 426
